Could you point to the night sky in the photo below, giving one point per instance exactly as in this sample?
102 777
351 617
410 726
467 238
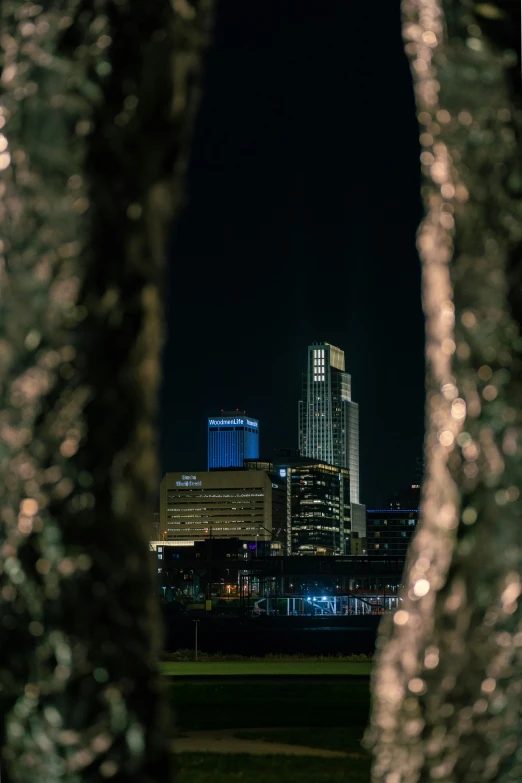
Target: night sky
303 204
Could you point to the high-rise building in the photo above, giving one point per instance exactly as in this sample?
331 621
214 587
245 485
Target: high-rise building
329 418
320 498
232 438
317 505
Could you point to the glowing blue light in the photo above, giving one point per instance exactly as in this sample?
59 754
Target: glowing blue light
231 440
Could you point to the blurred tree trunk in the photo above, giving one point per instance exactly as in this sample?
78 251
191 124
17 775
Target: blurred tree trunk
448 682
98 102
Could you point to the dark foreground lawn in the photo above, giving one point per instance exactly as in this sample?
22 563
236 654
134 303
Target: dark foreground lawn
257 704
272 668
217 768
340 709
344 738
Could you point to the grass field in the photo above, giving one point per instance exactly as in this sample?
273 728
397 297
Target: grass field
217 768
275 668
340 708
250 705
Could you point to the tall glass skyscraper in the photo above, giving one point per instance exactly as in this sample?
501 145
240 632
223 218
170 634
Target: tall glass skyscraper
232 438
328 417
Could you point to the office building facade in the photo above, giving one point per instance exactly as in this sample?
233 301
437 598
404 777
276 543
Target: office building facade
232 438
317 505
218 504
389 531
320 514
329 418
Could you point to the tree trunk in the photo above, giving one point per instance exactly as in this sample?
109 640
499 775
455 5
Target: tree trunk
448 682
99 98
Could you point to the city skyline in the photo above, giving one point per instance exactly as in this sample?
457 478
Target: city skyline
300 223
234 436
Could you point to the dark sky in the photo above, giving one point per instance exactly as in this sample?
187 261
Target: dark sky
303 203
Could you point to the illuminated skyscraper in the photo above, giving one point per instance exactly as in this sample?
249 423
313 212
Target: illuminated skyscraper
232 438
329 419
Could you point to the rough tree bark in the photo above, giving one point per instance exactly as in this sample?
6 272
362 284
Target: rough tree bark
98 98
448 683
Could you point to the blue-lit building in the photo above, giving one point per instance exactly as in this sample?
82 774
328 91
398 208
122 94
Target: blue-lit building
232 438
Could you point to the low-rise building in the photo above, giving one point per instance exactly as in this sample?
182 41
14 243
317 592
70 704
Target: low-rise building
220 504
389 531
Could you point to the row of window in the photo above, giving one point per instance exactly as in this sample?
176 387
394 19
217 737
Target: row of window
192 504
195 524
399 548
389 534
376 522
233 429
239 525
189 494
217 509
211 520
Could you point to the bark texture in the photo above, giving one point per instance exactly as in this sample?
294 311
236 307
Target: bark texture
448 683
98 98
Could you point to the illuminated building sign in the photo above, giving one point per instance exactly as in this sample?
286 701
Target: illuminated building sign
189 481
224 422
232 422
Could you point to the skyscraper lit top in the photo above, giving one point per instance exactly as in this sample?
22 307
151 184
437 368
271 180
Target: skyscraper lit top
328 417
232 438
